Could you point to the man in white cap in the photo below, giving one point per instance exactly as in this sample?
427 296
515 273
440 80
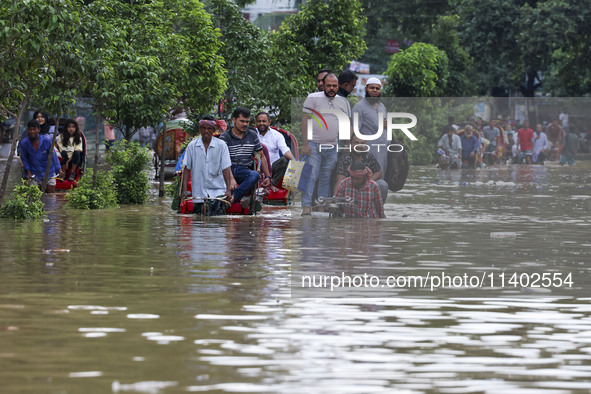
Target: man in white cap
367 110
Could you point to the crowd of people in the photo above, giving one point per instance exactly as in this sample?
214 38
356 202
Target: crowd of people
478 144
223 168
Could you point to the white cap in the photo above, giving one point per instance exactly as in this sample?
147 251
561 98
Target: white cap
373 80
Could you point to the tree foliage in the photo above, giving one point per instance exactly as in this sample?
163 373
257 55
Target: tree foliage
331 32
419 71
163 54
128 161
102 196
264 69
25 203
397 20
36 37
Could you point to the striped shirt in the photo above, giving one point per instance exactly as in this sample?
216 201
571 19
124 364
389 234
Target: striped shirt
242 149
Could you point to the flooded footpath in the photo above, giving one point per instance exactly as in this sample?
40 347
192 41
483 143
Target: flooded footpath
142 300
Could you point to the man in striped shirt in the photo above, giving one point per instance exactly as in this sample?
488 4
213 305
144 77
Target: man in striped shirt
243 143
365 193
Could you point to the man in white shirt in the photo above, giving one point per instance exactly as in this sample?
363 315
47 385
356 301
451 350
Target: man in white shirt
208 160
279 153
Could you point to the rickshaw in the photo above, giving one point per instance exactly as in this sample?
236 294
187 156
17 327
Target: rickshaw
283 196
66 184
174 137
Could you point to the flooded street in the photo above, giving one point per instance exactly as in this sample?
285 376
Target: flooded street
142 300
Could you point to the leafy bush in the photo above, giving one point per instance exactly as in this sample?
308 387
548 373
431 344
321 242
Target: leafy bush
172 189
128 161
101 197
25 203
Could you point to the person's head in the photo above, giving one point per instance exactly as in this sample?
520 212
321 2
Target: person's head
448 129
554 122
331 85
373 88
347 80
539 127
207 127
320 78
33 129
525 124
72 128
81 120
40 117
358 173
468 131
263 122
241 118
492 123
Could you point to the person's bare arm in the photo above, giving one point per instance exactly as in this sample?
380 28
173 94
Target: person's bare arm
186 174
265 169
227 172
289 155
376 175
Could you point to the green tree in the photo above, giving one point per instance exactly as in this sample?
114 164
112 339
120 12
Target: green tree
331 33
558 39
443 35
419 71
419 75
400 21
165 54
264 69
488 32
31 32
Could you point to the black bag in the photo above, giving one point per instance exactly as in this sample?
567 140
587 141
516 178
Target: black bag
398 167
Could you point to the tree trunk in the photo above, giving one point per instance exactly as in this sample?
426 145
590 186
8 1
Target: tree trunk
50 155
96 150
16 134
161 187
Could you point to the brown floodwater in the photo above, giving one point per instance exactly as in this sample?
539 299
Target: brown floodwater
142 300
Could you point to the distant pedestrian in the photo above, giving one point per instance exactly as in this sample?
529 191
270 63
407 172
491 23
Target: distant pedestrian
109 135
540 145
525 138
570 149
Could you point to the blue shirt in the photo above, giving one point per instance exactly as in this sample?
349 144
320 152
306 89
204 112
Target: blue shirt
207 179
36 160
469 145
242 149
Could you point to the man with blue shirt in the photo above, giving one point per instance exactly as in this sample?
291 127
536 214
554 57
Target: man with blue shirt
470 145
34 152
243 143
208 161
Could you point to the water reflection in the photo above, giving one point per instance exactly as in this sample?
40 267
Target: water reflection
212 297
